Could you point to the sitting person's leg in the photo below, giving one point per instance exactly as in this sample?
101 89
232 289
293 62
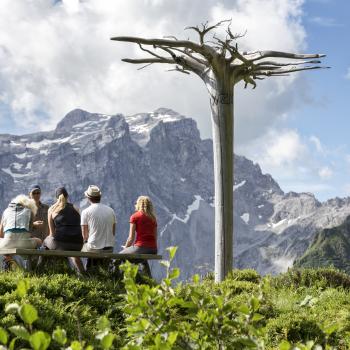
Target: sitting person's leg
140 250
19 240
134 249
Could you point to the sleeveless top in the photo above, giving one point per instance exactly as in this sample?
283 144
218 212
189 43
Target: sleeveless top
16 217
67 225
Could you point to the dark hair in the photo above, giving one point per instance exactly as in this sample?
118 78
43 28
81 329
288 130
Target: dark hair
61 190
95 199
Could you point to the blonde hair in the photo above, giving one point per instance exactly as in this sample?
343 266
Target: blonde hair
145 205
27 202
60 204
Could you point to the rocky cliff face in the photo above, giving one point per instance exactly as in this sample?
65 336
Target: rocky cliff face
161 154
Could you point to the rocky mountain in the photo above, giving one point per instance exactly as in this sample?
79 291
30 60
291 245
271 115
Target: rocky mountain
330 247
161 154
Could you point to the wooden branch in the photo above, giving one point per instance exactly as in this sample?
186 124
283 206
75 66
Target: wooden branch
150 52
148 60
280 64
178 69
205 29
186 63
189 53
258 55
291 70
201 49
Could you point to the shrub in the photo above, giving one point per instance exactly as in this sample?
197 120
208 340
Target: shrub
322 277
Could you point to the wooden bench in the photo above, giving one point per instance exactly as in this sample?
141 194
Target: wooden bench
143 258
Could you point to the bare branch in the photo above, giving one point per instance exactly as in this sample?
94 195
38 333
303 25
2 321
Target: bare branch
170 37
186 63
178 69
280 64
147 60
189 54
205 29
204 50
258 55
145 66
150 52
291 70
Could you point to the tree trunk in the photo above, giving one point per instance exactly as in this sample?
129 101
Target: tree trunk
221 103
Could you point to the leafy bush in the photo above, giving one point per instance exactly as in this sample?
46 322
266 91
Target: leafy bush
74 304
302 309
322 277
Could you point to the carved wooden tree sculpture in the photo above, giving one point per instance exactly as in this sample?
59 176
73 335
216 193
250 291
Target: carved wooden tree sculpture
220 65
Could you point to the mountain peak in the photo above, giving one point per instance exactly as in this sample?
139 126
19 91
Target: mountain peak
162 111
74 117
141 124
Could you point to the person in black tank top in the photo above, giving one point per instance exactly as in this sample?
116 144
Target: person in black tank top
67 225
64 226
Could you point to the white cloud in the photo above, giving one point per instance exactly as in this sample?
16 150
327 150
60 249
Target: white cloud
325 22
296 162
317 143
277 149
54 58
325 173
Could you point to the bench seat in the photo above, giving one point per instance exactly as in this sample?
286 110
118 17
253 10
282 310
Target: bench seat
67 253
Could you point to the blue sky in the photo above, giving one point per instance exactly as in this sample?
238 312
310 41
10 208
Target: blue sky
56 56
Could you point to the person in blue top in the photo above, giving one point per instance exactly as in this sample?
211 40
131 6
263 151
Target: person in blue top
16 224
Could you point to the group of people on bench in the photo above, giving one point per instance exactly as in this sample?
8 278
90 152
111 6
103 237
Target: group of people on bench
29 223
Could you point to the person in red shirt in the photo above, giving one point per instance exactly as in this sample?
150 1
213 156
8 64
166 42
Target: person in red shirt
143 229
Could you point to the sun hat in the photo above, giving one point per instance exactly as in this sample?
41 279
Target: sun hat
92 192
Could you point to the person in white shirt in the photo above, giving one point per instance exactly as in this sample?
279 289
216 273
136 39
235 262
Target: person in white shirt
98 223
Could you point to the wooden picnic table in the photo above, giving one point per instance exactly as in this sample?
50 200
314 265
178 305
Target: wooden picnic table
140 258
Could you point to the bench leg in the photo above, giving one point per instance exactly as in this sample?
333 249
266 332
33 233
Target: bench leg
146 269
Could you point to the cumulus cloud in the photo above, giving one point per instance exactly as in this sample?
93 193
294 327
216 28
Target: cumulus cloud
56 56
291 158
317 143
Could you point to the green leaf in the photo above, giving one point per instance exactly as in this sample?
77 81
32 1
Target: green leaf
103 323
331 328
244 309
75 345
257 317
3 336
40 340
175 273
144 323
195 278
20 332
107 340
172 337
247 342
254 303
172 252
284 345
28 313
22 287
12 343
158 341
12 308
165 263
59 335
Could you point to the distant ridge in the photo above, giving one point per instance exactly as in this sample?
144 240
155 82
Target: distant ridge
330 247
